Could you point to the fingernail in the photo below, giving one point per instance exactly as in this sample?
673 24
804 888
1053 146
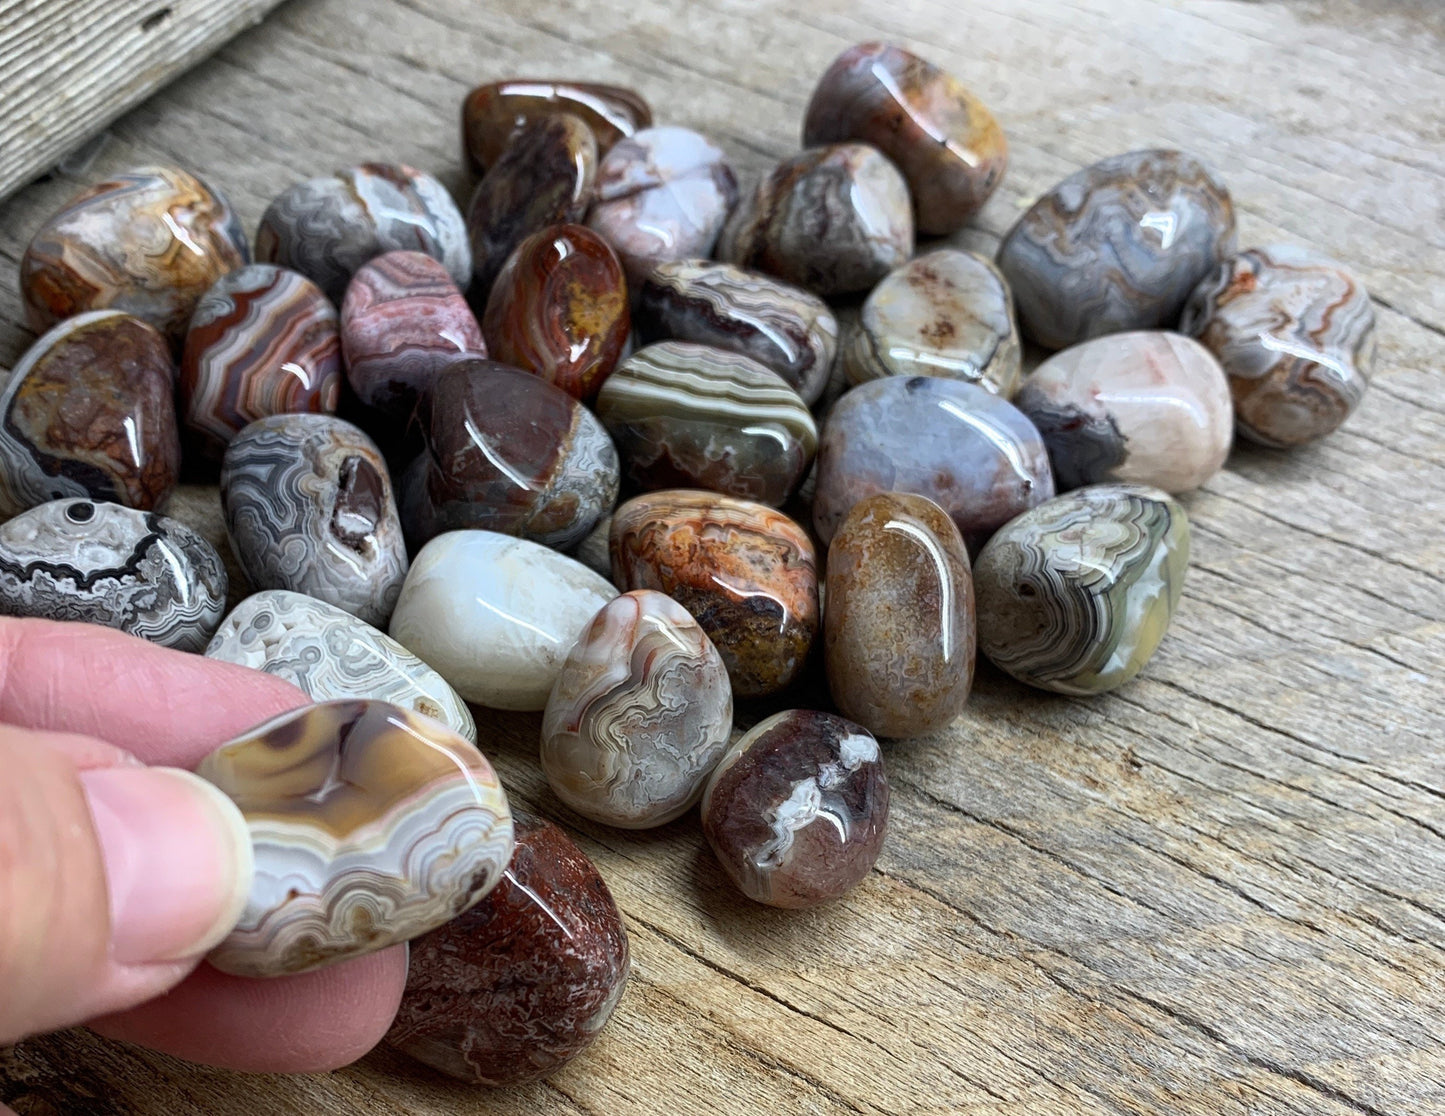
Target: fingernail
177 858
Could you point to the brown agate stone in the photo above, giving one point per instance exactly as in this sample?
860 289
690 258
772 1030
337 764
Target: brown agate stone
898 633
492 114
519 985
746 572
559 309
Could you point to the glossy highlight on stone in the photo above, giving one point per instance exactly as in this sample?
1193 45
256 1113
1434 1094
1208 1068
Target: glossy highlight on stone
1075 595
746 572
943 138
370 825
144 574
493 114
639 716
797 810
518 986
1117 246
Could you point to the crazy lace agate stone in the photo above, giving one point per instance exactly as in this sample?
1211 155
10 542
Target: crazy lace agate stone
639 716
326 228
88 411
263 341
508 452
662 194
518 986
1117 246
496 616
1295 333
832 219
1075 595
944 140
493 114
898 632
974 454
559 309
948 313
402 323
779 326
797 810
139 572
370 825
148 242
746 572
686 415
331 655
1145 407
309 507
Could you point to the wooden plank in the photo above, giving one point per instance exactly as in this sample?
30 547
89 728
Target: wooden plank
1220 890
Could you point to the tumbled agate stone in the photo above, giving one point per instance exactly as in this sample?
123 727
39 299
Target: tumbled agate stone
370 825
780 326
88 411
148 242
686 415
518 986
493 114
797 809
639 716
330 655
746 572
944 140
832 219
1295 333
898 632
1117 246
947 313
1075 595
309 507
144 574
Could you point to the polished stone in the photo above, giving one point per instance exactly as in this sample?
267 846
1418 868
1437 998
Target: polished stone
493 114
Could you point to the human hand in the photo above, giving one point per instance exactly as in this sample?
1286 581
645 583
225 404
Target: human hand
116 877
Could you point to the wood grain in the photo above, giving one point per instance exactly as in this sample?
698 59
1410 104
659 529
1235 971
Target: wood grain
1220 890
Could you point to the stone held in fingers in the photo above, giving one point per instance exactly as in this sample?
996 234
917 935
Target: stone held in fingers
492 114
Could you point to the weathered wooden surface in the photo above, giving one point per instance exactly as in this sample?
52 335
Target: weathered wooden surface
1220 890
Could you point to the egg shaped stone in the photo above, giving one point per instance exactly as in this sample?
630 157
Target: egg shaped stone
492 114
1075 595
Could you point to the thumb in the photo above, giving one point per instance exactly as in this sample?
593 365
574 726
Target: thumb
114 878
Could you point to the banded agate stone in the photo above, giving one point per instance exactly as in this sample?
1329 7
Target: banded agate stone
639 715
370 825
1075 595
493 114
797 809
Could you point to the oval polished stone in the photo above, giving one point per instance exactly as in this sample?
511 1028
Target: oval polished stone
832 219
331 655
327 227
264 341
948 313
1147 408
309 507
518 986
662 194
559 309
1075 595
496 616
543 178
139 572
403 321
639 716
492 114
1295 333
748 574
508 452
797 810
370 825
1117 246
974 454
943 138
88 411
899 630
149 242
